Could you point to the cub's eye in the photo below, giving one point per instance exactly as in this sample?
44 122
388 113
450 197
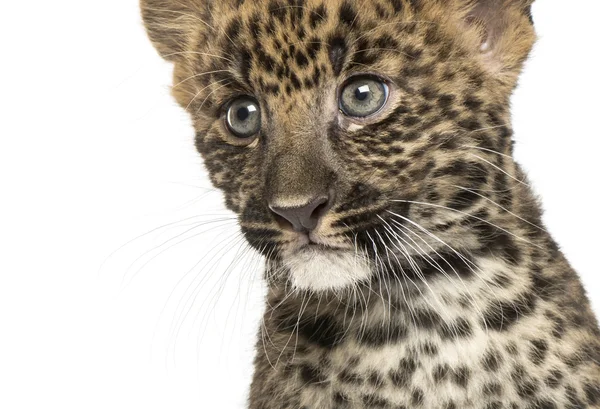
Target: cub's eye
363 96
243 117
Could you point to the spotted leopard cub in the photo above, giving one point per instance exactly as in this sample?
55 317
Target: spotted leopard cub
366 147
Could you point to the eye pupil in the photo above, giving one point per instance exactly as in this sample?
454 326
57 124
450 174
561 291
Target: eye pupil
243 113
362 93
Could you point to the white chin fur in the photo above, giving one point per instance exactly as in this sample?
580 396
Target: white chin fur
322 270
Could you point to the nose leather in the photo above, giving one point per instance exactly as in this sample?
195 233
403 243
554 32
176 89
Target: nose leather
306 217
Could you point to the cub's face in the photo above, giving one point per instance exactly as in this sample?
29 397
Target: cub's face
349 136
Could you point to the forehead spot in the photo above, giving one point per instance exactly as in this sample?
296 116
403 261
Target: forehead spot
337 53
348 15
318 16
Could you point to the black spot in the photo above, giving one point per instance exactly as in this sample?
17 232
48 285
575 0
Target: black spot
340 398
347 14
426 319
433 35
461 376
460 328
592 393
386 42
417 397
463 200
554 379
353 362
410 120
246 64
297 12
473 103
375 401
380 335
502 315
301 59
322 331
512 348
312 375
313 47
529 14
538 352
398 5
364 53
526 386
375 379
416 4
272 88
543 286
446 100
492 360
255 26
402 376
317 16
492 389
411 52
316 76
450 263
505 247
233 29
277 10
574 400
337 53
542 404
349 377
265 60
470 124
295 81
440 372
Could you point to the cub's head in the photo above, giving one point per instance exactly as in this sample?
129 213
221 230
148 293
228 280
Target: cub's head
352 137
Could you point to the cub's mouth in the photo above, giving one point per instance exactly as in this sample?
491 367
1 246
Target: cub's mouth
321 267
320 260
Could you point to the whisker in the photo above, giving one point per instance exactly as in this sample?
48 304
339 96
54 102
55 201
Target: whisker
199 75
488 150
469 215
225 222
500 169
501 207
198 93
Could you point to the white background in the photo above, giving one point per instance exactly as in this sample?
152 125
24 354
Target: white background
94 152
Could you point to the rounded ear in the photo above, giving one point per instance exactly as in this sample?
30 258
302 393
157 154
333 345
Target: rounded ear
170 24
506 33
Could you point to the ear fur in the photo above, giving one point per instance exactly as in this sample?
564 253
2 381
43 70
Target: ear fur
506 34
170 23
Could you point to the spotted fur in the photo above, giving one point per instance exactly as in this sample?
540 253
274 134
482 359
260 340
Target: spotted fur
458 297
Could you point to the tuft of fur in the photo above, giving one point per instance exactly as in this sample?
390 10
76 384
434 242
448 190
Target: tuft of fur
434 283
326 270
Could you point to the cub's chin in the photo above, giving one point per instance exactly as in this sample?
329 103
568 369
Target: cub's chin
318 268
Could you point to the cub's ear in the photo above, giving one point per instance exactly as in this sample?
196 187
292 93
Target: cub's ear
170 24
505 33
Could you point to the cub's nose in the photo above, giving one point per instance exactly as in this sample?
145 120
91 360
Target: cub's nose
303 218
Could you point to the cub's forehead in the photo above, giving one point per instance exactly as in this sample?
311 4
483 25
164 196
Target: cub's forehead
282 46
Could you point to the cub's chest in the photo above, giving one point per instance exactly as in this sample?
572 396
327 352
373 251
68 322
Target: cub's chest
423 371
418 372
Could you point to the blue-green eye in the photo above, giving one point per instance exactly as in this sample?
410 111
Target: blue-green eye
243 117
363 96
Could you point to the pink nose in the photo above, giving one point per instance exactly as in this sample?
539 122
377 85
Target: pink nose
302 218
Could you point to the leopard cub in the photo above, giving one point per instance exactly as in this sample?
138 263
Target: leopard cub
366 147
